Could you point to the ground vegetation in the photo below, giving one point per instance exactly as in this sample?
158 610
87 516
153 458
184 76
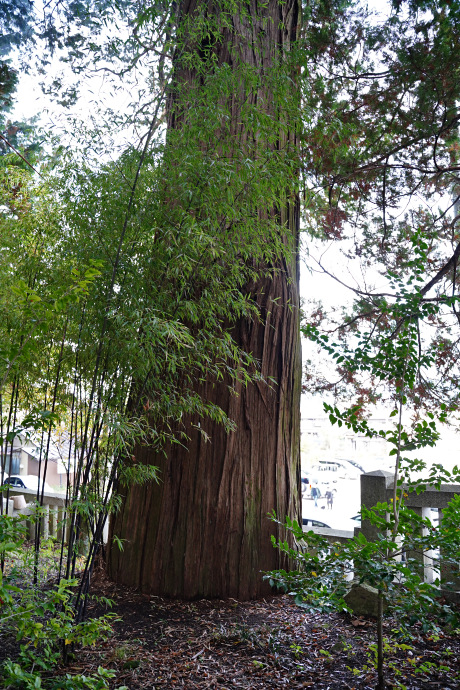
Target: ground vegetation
268 643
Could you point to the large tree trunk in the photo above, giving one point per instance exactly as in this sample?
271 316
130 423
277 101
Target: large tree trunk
203 530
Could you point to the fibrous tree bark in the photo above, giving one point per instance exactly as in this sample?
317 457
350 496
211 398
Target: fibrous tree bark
203 530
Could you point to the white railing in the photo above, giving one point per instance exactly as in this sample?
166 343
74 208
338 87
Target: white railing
54 516
377 487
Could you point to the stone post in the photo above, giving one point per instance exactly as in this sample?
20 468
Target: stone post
374 489
420 558
46 521
61 523
53 521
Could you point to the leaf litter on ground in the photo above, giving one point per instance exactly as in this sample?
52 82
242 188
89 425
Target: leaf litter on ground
268 643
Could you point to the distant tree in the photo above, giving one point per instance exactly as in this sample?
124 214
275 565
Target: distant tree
388 193
16 19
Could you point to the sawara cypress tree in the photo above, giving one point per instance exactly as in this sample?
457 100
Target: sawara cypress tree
230 168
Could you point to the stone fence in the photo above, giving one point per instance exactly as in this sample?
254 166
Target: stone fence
378 487
53 511
54 518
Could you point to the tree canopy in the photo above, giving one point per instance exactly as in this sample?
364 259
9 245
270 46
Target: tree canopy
388 183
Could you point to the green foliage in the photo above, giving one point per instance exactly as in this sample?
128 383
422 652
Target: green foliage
390 564
398 668
12 534
15 23
42 621
8 85
15 29
17 677
387 191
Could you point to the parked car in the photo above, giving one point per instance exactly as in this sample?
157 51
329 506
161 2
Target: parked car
27 481
311 522
335 522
